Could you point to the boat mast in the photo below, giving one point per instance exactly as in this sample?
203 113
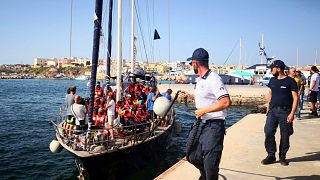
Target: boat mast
297 58
240 54
119 64
262 47
132 37
315 59
70 41
109 40
95 53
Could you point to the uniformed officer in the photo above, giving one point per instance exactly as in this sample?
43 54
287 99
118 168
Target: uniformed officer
212 100
282 104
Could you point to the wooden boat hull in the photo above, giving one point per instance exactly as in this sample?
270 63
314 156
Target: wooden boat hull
119 164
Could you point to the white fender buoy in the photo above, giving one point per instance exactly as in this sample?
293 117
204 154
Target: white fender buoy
177 127
55 146
161 105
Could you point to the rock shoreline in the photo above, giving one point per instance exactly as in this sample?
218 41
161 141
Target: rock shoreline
246 95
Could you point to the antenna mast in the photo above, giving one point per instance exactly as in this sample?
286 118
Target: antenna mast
261 48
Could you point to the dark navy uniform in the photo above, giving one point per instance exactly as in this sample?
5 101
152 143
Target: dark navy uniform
280 108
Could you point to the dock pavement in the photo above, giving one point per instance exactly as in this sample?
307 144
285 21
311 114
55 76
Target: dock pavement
244 150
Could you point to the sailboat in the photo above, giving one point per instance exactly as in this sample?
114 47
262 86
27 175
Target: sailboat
134 145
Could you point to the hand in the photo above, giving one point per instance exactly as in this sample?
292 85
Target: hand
199 113
290 118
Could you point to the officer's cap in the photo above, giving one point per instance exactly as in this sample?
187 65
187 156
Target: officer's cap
199 54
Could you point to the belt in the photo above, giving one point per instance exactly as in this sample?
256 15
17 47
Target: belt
280 107
204 121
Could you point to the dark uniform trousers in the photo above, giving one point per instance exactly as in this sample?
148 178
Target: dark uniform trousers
278 115
211 141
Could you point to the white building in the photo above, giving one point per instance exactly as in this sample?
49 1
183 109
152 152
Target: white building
175 66
37 62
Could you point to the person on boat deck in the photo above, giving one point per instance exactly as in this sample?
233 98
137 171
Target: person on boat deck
120 106
142 84
131 85
99 90
107 89
140 115
145 91
168 94
152 96
100 117
136 99
69 101
111 111
128 101
137 87
95 113
153 81
98 102
69 116
79 112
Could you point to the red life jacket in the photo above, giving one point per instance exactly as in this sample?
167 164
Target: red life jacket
94 118
99 92
130 88
100 119
140 117
100 103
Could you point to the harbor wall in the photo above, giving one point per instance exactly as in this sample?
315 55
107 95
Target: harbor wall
248 95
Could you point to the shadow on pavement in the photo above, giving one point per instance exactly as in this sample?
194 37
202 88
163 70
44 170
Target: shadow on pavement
311 156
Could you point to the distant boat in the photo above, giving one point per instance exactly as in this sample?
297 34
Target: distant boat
82 77
61 76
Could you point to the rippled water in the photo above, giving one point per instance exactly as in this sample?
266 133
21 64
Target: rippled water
27 107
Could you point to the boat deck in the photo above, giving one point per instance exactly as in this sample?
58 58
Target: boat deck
113 145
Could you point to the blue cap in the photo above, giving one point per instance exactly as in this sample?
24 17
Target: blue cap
199 54
277 63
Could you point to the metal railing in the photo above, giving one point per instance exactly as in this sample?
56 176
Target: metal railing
97 139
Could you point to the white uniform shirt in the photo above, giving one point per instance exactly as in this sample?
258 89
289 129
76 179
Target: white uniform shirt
112 108
315 78
209 89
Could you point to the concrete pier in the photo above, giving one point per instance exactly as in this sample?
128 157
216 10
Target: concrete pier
240 94
244 150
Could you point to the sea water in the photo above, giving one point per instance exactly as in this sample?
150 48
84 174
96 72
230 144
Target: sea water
28 105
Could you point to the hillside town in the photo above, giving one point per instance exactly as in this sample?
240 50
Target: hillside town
179 72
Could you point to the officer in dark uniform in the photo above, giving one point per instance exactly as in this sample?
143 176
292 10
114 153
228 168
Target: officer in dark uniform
282 104
212 100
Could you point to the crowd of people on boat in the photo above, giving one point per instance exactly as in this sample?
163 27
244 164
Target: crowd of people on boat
134 109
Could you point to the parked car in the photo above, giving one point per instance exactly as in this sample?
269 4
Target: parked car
264 81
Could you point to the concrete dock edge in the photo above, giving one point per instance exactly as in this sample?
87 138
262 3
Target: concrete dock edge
244 150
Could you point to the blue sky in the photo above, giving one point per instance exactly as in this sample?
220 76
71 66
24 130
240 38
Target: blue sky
40 28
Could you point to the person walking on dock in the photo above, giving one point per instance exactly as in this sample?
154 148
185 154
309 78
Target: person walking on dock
314 89
212 100
282 104
296 76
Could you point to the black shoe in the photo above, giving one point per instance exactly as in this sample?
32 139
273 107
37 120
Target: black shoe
314 113
268 160
284 162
